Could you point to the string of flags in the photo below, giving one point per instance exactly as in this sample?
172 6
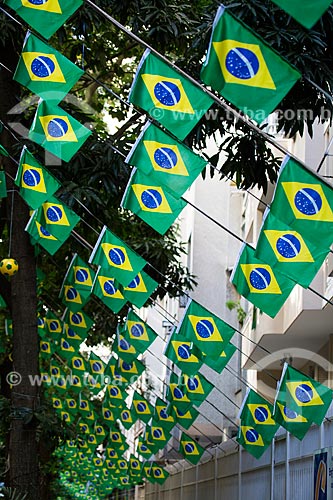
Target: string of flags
164 168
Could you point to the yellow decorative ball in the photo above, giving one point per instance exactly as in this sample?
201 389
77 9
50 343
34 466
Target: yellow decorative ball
8 267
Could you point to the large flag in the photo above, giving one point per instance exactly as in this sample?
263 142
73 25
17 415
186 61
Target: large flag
306 12
113 255
151 202
57 131
206 330
138 291
165 160
244 69
39 234
138 333
57 218
184 354
257 282
220 363
190 449
35 183
168 96
106 289
304 202
45 71
44 16
288 252
303 394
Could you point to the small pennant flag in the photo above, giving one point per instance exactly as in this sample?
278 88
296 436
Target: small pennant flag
163 414
258 283
35 183
159 474
294 423
97 366
257 427
304 202
184 354
176 394
138 291
303 394
151 202
138 333
57 218
288 252
197 388
206 330
124 349
114 256
79 321
244 69
190 449
45 71
167 96
57 131
185 418
165 160
79 274
106 289
142 408
45 16
73 299
220 363
41 236
306 12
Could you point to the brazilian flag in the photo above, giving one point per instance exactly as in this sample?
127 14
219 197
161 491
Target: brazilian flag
168 96
142 408
197 388
116 257
45 16
35 183
79 274
151 201
138 291
288 252
304 202
57 218
303 394
41 236
294 423
185 418
244 69
143 448
137 332
163 414
159 474
167 161
206 330
257 282
57 131
74 299
45 71
107 290
184 354
190 449
176 394
220 363
256 421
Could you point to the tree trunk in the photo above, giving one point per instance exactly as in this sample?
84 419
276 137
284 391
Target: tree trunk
23 459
